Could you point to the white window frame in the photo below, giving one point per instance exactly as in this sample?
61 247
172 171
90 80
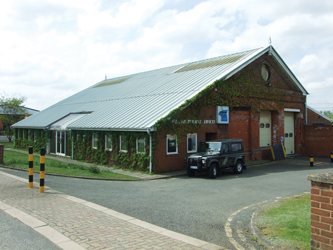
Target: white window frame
137 145
122 150
196 143
93 140
167 139
106 140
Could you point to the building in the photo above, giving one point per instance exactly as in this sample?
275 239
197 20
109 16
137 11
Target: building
152 120
28 112
316 118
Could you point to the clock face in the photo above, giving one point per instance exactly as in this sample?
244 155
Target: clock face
265 72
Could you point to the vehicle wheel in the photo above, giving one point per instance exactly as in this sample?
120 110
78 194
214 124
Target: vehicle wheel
190 172
212 172
238 168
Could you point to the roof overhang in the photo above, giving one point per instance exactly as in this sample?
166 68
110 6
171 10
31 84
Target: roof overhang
114 129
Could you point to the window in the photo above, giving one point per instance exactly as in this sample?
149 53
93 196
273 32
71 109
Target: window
172 147
225 148
191 143
140 145
108 142
123 146
236 147
29 135
265 72
94 141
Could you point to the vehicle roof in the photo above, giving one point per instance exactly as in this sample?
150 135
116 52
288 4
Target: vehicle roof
227 140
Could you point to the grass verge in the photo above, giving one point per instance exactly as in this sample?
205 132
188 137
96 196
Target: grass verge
8 144
287 224
53 166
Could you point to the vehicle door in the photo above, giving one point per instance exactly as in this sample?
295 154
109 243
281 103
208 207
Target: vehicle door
236 148
224 155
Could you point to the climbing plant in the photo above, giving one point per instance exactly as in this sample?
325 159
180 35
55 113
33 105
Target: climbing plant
131 160
36 138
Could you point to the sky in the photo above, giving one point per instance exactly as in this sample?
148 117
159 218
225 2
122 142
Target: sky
52 49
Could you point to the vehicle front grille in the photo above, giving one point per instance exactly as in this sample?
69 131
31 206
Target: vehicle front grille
193 161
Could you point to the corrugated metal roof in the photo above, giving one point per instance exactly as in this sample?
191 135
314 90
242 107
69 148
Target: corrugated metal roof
137 101
27 111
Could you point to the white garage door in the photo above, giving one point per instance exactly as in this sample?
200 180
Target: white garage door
289 132
265 128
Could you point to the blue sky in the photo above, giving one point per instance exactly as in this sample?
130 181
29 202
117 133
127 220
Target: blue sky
51 49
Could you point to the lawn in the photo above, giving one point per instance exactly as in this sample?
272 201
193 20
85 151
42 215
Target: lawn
287 224
8 144
53 166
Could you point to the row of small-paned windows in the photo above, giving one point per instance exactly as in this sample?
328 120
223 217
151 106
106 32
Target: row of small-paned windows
172 145
140 143
26 135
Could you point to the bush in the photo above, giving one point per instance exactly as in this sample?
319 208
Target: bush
95 170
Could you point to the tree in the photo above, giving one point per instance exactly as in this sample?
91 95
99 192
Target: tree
329 114
12 111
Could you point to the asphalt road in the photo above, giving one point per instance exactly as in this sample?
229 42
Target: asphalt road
218 211
16 235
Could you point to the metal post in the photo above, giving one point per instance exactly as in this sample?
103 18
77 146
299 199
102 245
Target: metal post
31 167
2 149
42 170
311 160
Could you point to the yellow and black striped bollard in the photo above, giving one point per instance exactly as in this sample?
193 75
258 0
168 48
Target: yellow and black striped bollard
31 167
311 160
332 157
42 170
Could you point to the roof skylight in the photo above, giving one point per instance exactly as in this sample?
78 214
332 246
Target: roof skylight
210 63
111 82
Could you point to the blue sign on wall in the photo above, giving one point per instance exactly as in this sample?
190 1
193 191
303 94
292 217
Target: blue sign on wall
222 115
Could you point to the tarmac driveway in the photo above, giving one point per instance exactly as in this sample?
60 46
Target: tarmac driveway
218 211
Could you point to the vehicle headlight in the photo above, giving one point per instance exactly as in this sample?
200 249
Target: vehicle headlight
203 160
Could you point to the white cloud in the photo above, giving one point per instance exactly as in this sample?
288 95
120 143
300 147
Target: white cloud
61 46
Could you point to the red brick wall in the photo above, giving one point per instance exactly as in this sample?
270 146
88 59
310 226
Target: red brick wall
243 125
319 140
313 117
321 215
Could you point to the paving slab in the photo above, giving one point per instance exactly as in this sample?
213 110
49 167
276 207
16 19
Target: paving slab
73 223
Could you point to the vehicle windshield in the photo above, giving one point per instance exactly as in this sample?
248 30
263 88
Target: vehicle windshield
210 146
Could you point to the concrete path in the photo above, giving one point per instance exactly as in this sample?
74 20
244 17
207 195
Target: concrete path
73 223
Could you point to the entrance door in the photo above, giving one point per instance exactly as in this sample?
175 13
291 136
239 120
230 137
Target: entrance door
61 142
289 132
265 128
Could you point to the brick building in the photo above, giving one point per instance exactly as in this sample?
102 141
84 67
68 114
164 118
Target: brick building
28 112
316 118
152 120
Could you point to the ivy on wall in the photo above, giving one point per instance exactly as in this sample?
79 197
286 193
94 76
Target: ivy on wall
40 140
131 160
